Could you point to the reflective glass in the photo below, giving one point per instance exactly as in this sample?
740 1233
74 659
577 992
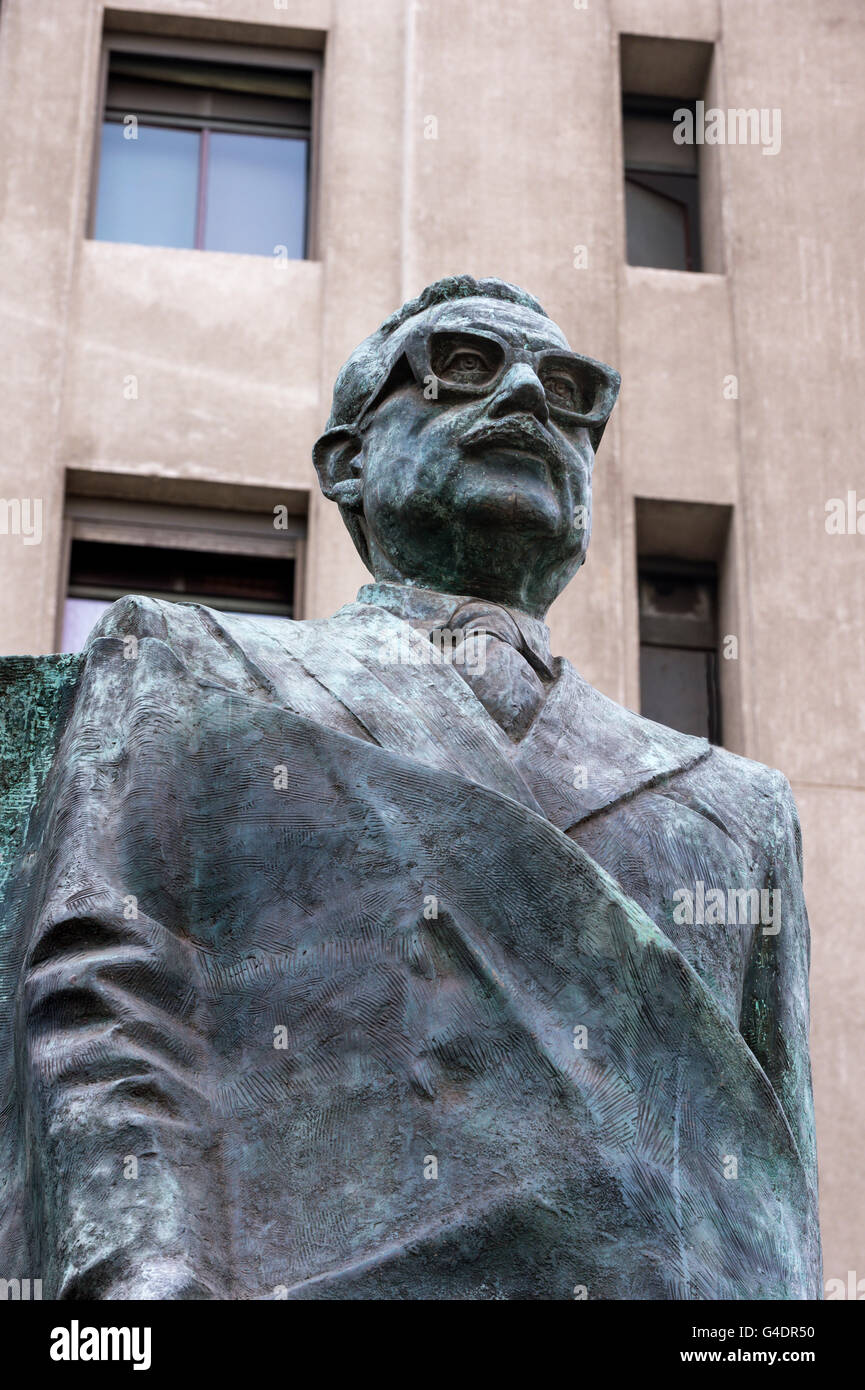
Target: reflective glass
79 616
656 229
148 186
256 194
675 688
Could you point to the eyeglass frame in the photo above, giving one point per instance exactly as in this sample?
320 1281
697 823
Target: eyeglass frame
416 351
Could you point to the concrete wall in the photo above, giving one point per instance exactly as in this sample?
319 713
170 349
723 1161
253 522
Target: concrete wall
235 357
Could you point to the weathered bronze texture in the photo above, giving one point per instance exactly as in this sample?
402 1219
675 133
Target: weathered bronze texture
355 962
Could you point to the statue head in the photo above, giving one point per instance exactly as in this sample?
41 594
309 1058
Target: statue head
460 445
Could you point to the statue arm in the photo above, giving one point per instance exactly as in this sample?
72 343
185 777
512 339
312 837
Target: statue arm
117 1107
113 1067
775 1005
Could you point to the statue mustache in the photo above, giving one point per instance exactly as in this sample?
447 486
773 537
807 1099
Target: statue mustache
521 432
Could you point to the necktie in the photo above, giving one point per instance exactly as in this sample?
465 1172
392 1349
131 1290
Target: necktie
494 659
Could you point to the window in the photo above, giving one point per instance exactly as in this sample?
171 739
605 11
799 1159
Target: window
662 196
679 683
672 190
236 562
206 146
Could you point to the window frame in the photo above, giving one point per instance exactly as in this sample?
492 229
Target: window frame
243 55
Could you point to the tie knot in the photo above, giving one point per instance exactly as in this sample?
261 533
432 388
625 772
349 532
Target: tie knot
488 617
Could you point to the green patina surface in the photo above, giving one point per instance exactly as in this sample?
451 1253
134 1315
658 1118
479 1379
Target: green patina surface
35 694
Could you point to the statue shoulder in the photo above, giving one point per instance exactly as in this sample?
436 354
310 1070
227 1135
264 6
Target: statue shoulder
752 797
751 802
133 616
224 649
620 736
184 627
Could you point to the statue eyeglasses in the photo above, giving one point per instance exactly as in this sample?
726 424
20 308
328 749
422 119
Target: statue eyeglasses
451 366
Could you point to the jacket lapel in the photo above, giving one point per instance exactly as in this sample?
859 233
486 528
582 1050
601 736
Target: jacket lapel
584 753
379 668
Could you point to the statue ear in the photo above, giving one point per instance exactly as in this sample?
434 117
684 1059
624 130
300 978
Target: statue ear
336 455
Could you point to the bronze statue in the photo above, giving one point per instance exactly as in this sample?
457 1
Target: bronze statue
353 963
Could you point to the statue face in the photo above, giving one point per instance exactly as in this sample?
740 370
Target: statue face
476 455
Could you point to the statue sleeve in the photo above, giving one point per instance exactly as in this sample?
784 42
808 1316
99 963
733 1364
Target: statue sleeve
775 1005
113 1070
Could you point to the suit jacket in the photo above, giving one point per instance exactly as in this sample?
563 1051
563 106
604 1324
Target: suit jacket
332 991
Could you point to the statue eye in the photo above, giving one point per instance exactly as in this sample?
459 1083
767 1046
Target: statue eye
466 365
561 390
464 359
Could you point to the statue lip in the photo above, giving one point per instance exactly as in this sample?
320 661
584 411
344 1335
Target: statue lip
522 433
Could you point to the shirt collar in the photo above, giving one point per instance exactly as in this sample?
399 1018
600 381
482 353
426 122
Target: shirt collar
427 609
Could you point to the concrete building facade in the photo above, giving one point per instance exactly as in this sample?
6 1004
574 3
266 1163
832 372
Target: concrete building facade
488 138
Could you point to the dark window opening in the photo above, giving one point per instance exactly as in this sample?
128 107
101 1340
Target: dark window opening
679 679
662 190
260 586
234 583
205 155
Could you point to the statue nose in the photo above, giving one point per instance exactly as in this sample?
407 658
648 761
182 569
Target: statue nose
520 391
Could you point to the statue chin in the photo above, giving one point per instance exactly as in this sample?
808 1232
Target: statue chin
478 515
494 509
487 564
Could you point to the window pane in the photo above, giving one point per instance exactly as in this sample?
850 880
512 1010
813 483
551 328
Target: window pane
657 229
678 610
676 689
79 616
148 187
256 194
